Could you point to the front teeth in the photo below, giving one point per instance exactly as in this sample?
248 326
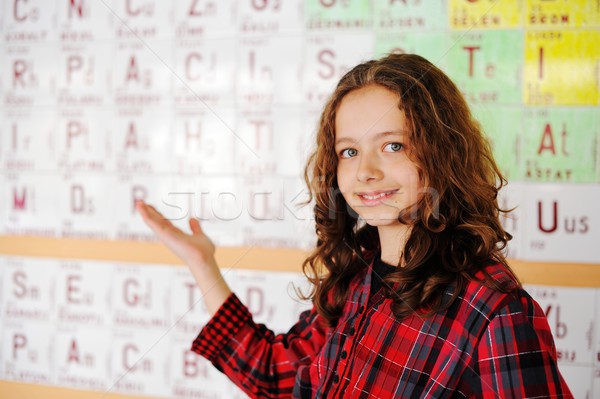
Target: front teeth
372 197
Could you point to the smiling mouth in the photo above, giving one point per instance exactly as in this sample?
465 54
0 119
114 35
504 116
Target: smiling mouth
380 195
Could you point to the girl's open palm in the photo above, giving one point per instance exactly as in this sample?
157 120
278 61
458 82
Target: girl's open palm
196 249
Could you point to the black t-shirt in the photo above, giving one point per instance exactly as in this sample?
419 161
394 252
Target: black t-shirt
380 270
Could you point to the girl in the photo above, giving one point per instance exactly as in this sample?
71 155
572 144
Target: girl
412 294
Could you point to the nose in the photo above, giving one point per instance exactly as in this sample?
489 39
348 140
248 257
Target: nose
368 170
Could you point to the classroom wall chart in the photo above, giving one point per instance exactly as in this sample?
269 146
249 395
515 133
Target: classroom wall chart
209 109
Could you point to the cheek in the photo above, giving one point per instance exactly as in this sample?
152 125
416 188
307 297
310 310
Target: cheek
414 185
345 189
417 177
416 181
342 178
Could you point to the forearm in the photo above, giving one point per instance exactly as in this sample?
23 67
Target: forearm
212 285
196 250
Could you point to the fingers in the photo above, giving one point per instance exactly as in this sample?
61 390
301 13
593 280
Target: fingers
154 219
148 212
154 213
140 206
195 226
144 210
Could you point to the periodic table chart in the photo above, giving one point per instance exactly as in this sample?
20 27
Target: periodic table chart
209 109
127 328
121 327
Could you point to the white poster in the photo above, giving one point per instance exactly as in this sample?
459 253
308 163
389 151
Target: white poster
562 223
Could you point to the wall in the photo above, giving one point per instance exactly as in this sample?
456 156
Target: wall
209 108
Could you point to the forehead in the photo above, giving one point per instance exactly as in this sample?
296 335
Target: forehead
369 111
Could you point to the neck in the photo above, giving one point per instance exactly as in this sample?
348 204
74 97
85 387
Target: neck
392 240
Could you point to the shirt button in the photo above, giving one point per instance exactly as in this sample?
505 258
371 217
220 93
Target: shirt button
336 379
352 331
361 309
344 354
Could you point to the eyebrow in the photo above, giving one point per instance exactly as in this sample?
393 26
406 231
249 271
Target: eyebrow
377 136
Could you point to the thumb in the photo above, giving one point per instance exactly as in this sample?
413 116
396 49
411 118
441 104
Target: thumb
195 226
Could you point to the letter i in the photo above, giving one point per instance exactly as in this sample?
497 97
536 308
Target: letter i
541 64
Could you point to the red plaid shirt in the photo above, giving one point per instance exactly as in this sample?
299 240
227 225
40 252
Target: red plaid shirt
486 345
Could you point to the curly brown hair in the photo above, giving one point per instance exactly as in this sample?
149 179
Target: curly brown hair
455 226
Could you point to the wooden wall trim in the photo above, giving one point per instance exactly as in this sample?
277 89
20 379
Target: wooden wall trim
18 390
279 259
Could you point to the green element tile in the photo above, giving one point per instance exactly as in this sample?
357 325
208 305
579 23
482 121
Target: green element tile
431 45
409 15
338 14
502 126
486 65
560 144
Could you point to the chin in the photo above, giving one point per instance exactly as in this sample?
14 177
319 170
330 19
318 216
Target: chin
377 222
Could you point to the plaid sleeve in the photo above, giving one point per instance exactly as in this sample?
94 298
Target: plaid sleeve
516 357
229 319
262 364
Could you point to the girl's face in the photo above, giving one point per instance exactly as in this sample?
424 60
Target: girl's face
374 173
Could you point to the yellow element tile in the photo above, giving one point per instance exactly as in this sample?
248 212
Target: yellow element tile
561 67
484 14
552 14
